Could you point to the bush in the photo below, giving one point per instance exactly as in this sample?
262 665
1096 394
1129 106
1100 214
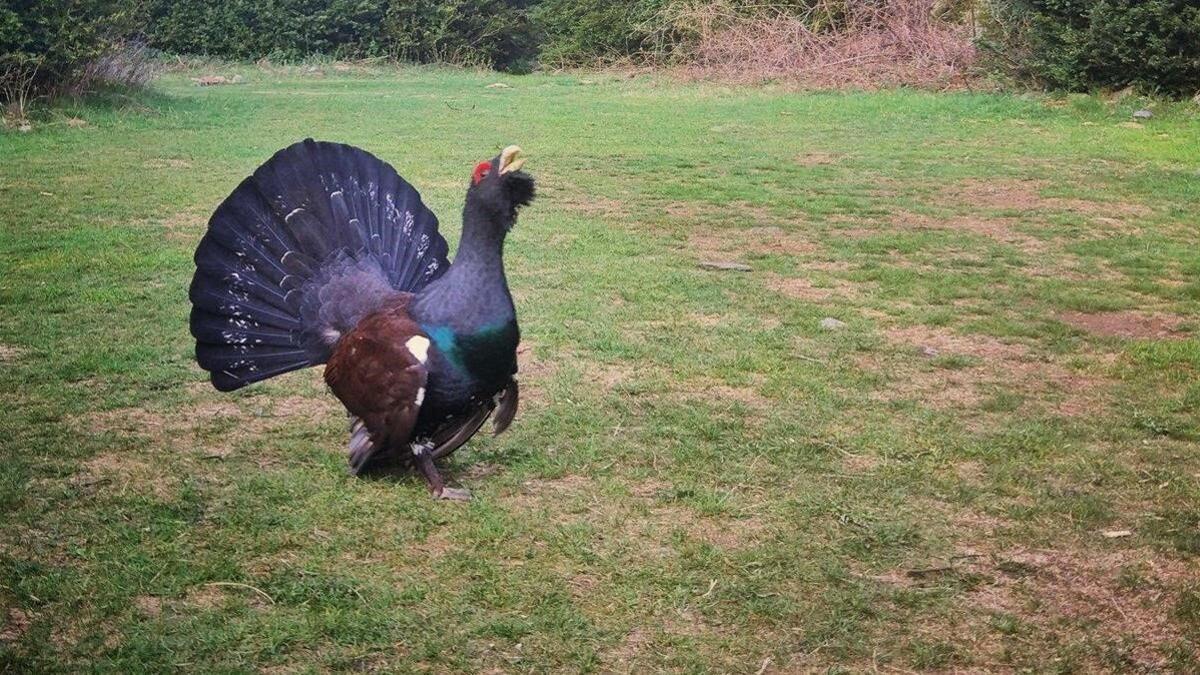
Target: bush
1152 45
251 29
49 43
576 32
492 33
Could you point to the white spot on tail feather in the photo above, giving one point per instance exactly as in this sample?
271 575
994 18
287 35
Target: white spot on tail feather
331 335
420 396
418 346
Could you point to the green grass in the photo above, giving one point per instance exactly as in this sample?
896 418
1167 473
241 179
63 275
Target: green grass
700 478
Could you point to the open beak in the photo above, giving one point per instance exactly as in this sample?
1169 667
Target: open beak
511 159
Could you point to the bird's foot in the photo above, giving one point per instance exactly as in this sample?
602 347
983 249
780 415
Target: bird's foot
424 460
453 494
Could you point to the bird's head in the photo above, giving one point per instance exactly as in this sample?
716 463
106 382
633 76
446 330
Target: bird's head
499 188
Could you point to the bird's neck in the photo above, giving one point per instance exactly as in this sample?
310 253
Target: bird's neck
473 294
480 253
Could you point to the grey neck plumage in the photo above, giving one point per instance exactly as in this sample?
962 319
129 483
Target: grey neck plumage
474 292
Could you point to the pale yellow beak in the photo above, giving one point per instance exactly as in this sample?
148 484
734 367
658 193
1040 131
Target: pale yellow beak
511 159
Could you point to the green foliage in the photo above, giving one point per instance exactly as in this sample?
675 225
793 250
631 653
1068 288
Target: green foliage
1153 45
576 32
493 33
57 38
248 29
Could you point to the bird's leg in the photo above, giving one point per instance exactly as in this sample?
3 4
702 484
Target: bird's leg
423 457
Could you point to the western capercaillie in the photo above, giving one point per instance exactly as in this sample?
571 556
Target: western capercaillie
326 255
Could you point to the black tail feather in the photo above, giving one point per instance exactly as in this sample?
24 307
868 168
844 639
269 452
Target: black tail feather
318 237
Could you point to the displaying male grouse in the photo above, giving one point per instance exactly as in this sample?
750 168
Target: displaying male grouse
326 255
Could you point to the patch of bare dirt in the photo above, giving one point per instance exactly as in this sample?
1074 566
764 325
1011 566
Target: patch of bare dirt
609 375
533 373
811 159
629 647
143 422
124 420
595 206
205 596
207 428
995 366
636 526
745 395
649 489
803 288
655 524
729 534
126 471
829 265
1025 195
1082 592
148 605
858 232
16 624
306 407
581 584
167 163
9 353
184 228
436 545
735 243
947 342
1002 230
717 393
859 463
538 491
970 471
730 213
1126 324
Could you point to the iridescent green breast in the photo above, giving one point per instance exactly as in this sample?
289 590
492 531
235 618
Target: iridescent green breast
487 356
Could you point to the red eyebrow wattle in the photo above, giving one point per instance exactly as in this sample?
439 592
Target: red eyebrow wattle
481 170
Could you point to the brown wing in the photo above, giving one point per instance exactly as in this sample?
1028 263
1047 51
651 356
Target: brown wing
378 372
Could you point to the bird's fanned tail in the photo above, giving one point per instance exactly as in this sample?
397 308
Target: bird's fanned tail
321 235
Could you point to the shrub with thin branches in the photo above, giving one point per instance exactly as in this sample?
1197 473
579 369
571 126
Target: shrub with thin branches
829 43
18 77
128 65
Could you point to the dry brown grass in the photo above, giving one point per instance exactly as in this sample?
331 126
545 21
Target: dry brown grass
1129 325
1026 196
9 353
803 288
16 623
877 44
997 366
1002 230
1089 594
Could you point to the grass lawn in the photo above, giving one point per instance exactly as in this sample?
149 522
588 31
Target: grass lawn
991 466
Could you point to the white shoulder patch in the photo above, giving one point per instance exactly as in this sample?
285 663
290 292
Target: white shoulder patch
418 346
